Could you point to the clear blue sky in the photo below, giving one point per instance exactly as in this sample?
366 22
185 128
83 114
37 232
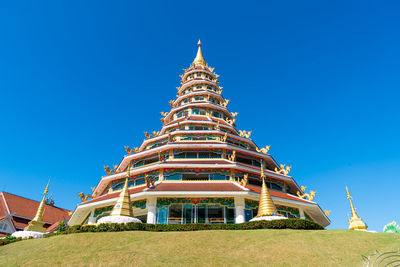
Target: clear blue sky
317 80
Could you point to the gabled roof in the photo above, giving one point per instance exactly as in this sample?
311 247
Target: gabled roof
26 208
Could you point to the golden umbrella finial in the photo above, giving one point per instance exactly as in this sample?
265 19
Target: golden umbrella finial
199 43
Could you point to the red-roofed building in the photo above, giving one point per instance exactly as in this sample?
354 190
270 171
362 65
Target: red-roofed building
16 212
199 168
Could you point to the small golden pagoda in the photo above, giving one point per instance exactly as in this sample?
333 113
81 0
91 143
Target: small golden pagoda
123 206
356 223
266 206
37 222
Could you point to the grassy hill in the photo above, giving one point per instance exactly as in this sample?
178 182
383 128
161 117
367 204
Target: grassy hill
201 248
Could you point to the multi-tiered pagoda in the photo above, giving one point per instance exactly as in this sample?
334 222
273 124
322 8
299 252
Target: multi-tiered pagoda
198 168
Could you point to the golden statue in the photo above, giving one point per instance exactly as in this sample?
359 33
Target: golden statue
233 156
171 103
131 150
263 150
230 121
355 222
234 114
310 196
223 139
244 133
84 197
110 171
225 103
164 114
283 170
149 181
243 182
327 212
150 135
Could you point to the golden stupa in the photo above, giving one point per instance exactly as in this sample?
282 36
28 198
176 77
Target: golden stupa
123 206
266 205
355 222
37 222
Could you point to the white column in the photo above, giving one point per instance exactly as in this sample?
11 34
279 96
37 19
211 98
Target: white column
239 210
151 205
92 219
302 216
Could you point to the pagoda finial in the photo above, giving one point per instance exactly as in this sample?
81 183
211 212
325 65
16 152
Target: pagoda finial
356 223
123 206
199 59
37 222
266 206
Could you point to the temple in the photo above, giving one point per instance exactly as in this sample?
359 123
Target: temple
198 168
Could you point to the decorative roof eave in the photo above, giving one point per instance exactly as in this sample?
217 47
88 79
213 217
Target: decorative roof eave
197 104
180 132
175 163
175 124
128 158
206 69
198 92
196 81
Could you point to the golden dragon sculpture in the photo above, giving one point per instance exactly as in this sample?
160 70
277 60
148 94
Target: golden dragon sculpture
244 133
283 170
310 196
263 150
131 150
110 171
233 156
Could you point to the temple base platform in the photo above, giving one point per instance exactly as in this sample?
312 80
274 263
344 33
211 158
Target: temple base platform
27 234
268 218
118 219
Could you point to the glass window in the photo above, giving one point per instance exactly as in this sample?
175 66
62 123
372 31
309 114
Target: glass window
216 114
199 86
175 214
215 214
195 111
188 213
248 215
175 176
229 215
161 215
201 213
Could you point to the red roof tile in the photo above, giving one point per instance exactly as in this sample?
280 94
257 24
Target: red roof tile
24 207
182 186
277 194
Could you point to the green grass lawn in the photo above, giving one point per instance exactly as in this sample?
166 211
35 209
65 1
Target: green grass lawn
201 248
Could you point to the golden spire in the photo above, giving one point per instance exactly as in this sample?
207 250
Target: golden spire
37 222
266 206
353 210
199 59
356 223
123 206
